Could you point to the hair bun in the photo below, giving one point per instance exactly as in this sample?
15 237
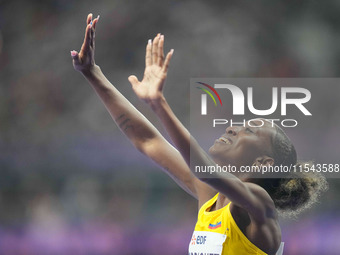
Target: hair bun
300 190
292 185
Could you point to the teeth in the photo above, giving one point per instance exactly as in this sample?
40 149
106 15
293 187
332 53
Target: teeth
224 140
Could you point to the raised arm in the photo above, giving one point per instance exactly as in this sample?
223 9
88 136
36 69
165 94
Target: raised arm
248 196
143 135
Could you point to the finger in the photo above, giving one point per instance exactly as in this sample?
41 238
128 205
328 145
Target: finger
87 38
155 49
92 33
161 51
95 22
133 80
75 56
148 60
93 30
89 19
167 61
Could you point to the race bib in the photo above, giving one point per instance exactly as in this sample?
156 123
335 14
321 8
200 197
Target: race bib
206 243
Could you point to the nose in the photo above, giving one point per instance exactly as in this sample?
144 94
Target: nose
231 131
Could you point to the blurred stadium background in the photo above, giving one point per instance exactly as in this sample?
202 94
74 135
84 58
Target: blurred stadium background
70 183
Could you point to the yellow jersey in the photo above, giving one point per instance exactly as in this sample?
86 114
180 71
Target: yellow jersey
216 233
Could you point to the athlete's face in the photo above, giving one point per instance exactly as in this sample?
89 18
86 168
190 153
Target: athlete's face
241 146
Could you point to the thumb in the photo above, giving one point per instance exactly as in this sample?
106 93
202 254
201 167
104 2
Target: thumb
133 80
75 56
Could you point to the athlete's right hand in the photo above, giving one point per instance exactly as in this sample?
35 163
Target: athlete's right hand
84 60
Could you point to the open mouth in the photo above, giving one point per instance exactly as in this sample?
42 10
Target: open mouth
225 140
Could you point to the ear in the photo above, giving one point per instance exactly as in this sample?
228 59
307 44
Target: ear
264 161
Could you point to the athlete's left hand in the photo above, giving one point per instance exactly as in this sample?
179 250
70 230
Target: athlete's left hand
150 89
84 60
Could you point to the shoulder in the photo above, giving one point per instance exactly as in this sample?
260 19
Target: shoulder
264 205
204 192
261 229
261 194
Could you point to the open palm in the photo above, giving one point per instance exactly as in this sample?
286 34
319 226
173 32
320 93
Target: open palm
156 68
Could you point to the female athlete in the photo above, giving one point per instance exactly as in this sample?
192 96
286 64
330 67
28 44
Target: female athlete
236 215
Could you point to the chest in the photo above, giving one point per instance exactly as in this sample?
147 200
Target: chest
242 219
